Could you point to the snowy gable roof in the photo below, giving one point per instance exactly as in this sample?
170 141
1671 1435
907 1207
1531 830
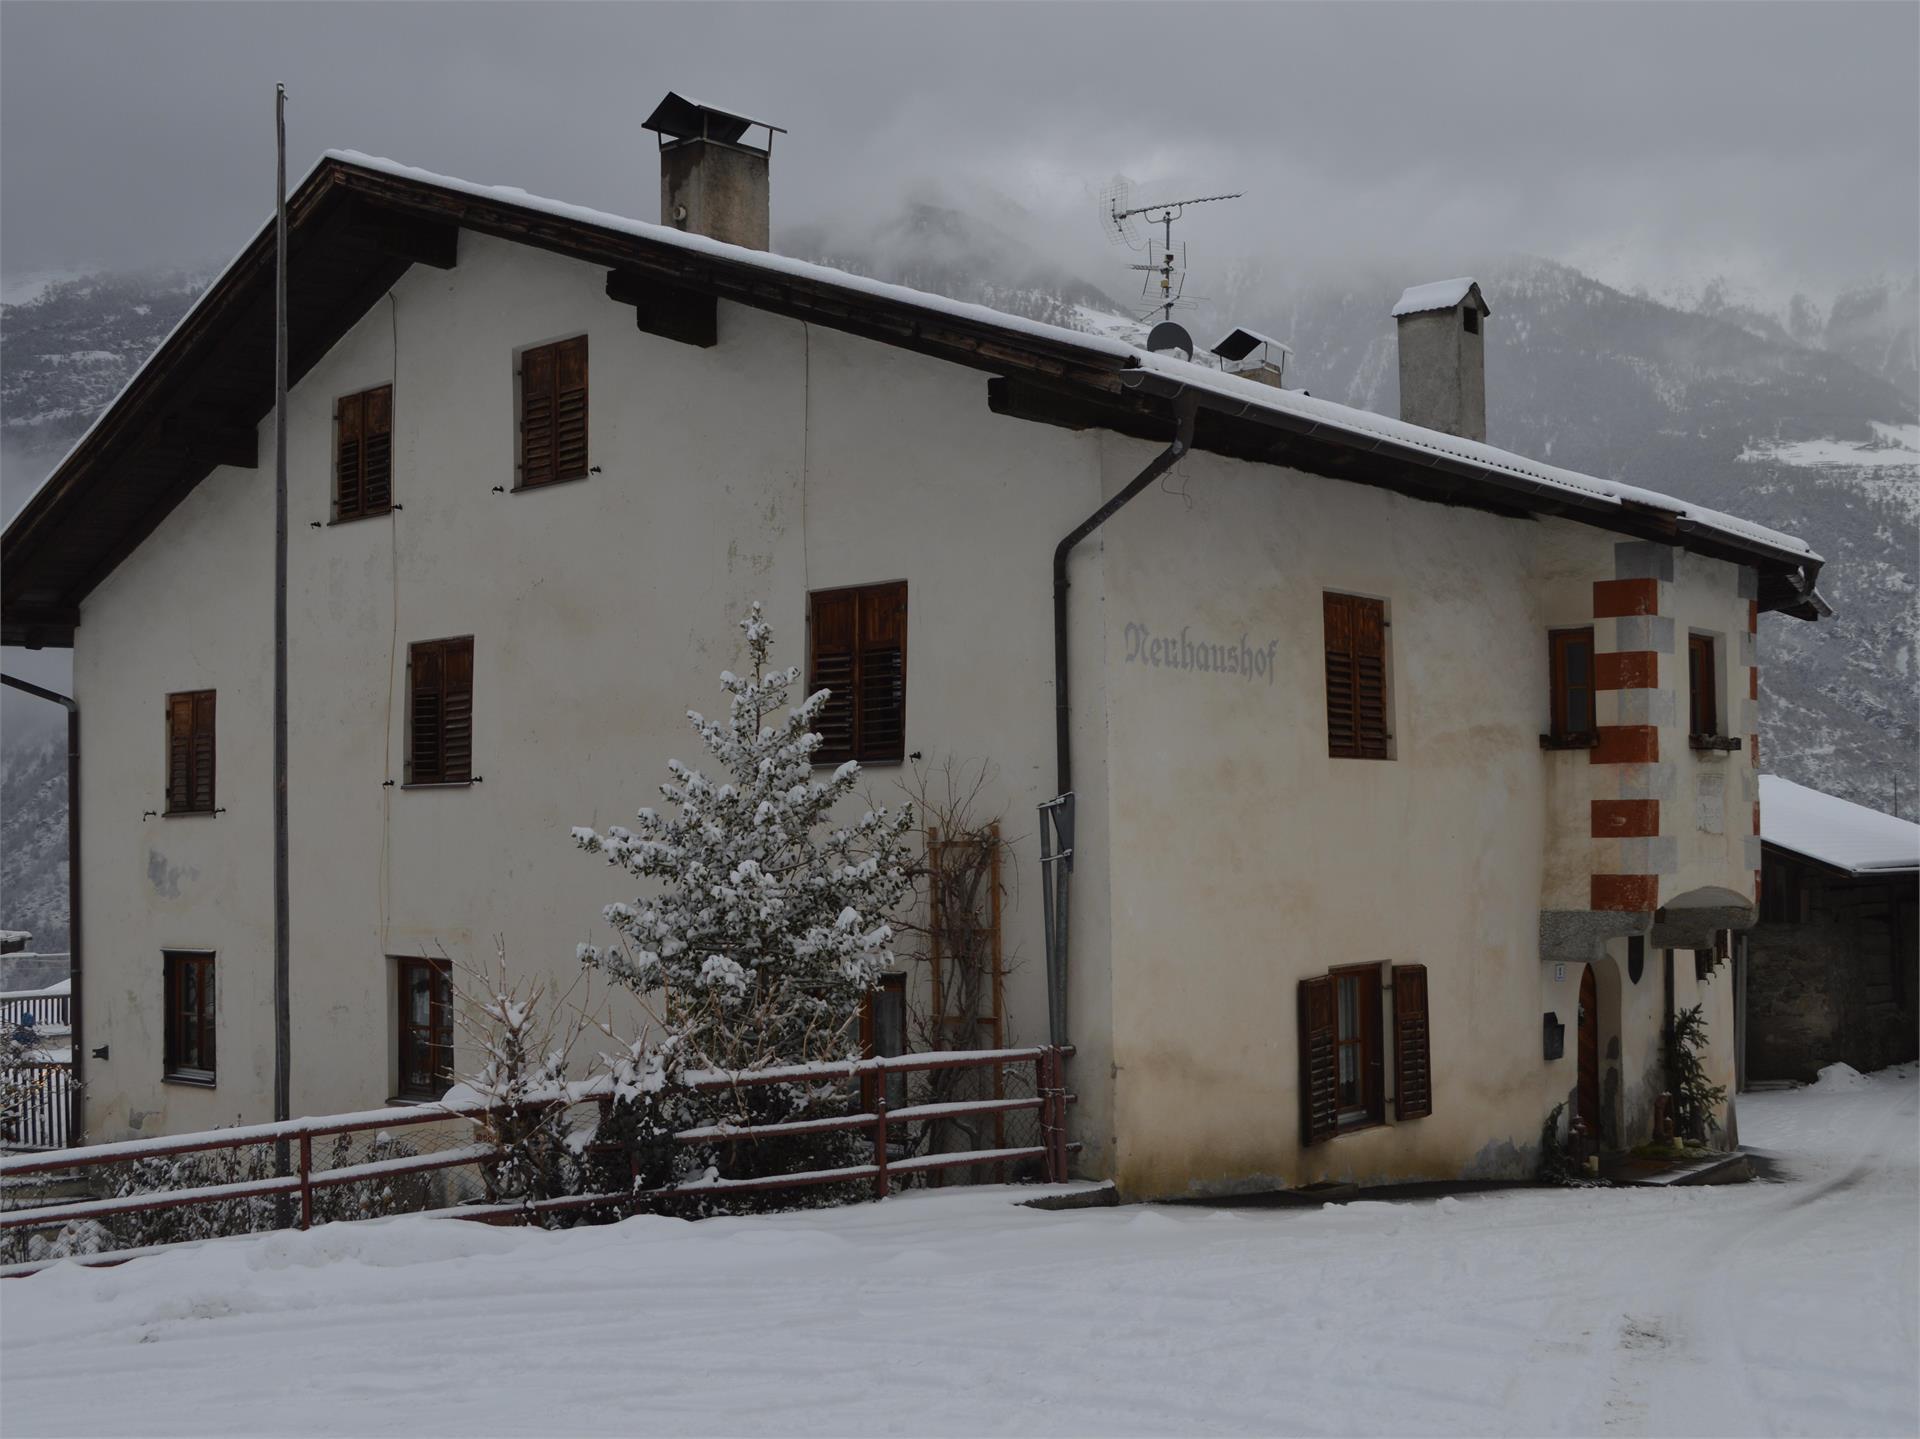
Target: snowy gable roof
371 218
1835 831
1439 295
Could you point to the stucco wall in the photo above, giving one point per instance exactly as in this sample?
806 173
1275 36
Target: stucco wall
780 461
1246 859
1221 855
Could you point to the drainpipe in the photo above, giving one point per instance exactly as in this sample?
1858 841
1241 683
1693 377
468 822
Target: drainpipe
1056 815
77 1112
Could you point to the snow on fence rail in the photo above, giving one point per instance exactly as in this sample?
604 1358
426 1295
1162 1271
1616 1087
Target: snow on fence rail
297 1188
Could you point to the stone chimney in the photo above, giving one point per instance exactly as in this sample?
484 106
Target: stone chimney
1443 370
712 182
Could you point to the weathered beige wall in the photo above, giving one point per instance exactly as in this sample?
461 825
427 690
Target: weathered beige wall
1221 854
601 610
1246 859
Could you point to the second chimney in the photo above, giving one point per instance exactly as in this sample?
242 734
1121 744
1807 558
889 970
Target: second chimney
1443 371
712 182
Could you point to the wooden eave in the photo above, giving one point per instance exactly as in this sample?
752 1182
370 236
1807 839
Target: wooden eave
354 230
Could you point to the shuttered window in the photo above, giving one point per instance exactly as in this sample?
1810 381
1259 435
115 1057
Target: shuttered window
363 454
190 752
1703 713
1319 1104
189 1019
1412 1055
553 413
426 1028
440 711
857 652
1342 1060
1570 676
1356 635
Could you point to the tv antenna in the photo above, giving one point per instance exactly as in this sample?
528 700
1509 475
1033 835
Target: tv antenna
1120 218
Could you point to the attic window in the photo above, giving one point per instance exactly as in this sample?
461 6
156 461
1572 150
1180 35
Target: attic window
1470 318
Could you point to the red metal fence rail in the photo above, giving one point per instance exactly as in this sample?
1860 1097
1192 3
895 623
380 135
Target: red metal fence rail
1049 1100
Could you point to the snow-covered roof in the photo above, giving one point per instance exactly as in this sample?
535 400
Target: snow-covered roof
1256 395
1437 295
1836 831
1687 524
1546 477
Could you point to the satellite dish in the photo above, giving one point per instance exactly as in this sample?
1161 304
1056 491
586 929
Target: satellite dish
1168 336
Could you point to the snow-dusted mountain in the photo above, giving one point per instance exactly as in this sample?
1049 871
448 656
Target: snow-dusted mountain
1803 421
33 840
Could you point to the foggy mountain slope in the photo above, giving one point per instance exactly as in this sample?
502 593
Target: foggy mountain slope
68 351
1715 408
33 841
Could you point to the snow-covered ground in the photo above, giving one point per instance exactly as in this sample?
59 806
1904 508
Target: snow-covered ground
1785 1307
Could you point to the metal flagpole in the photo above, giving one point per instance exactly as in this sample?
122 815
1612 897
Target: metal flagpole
282 1039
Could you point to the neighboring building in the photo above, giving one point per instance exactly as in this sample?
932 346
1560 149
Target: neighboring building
1380 744
1833 966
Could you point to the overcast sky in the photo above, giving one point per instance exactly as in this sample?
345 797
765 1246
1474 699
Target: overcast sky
1659 144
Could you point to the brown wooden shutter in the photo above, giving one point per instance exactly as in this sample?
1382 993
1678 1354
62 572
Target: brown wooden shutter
882 721
457 744
1412 1053
830 666
376 465
570 409
1319 1064
200 797
425 672
1356 648
536 416
348 458
179 752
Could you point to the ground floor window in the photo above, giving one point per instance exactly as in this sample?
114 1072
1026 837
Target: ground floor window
1344 1041
426 1028
883 1033
1357 1007
189 1015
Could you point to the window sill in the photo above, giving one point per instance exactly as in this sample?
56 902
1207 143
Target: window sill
192 1079
356 519
441 784
1570 741
519 489
1713 743
1359 1126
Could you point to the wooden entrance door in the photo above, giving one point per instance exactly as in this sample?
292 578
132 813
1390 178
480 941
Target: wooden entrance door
1587 1098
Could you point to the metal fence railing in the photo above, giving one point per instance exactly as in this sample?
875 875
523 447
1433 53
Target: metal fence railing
139 1194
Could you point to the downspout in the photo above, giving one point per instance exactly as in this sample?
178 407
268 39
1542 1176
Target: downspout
77 1111
1056 847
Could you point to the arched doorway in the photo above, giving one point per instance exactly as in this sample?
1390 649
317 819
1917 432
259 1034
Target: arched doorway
1586 1102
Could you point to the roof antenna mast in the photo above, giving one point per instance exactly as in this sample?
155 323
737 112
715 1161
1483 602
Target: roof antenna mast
1119 217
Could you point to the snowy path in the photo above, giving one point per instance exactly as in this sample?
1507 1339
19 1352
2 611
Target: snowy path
1782 1308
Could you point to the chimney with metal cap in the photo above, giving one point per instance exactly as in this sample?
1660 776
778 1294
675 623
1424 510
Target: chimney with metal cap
1443 370
712 182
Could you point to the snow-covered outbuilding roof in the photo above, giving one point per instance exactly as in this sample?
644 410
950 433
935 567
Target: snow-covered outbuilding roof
1439 295
1836 831
358 222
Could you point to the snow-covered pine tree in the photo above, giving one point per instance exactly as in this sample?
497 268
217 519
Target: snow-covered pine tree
763 928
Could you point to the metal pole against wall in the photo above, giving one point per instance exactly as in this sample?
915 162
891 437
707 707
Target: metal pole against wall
282 1026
